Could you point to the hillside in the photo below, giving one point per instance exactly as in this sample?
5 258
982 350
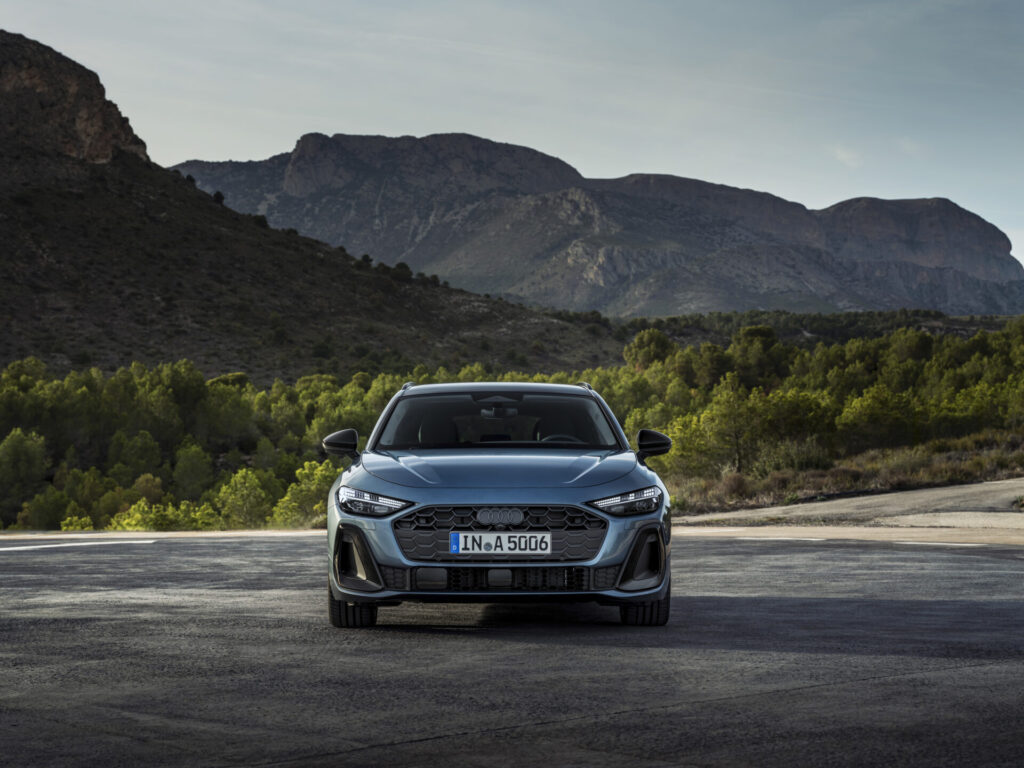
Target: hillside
107 258
509 220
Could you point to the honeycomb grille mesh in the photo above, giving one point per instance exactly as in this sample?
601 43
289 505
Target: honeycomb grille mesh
576 534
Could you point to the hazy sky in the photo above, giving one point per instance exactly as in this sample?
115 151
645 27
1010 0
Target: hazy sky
813 100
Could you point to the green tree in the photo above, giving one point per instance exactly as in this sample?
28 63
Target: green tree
242 501
109 505
85 487
193 471
305 502
732 425
757 356
75 519
44 511
879 418
265 456
202 517
647 346
23 466
145 516
710 365
225 416
148 487
132 456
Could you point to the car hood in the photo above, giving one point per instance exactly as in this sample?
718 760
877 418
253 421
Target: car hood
503 468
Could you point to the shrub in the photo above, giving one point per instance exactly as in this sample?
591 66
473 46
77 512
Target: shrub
734 485
45 511
23 465
193 471
242 501
76 523
305 502
143 516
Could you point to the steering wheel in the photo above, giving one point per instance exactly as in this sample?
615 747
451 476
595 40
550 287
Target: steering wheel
561 439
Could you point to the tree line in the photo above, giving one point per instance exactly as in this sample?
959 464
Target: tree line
165 448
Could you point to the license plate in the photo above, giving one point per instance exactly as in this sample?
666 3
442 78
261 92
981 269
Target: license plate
505 543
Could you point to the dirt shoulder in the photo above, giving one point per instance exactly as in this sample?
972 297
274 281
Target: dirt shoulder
979 513
954 537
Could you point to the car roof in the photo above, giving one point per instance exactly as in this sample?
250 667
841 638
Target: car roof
498 387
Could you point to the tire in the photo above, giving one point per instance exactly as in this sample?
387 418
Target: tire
652 614
351 615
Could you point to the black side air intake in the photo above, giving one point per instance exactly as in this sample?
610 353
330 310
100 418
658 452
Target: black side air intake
353 564
646 562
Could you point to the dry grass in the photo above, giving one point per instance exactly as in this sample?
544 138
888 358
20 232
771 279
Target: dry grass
989 455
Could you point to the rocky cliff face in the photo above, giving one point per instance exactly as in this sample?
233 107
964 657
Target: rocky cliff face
452 166
52 104
930 233
503 219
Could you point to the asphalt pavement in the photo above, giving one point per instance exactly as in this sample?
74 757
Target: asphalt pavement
217 651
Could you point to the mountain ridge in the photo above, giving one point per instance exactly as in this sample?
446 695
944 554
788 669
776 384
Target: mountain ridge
513 221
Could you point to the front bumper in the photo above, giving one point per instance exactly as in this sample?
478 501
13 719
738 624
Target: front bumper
638 572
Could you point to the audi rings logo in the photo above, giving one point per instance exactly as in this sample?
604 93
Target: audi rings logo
499 516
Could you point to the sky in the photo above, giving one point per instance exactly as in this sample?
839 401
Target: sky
816 101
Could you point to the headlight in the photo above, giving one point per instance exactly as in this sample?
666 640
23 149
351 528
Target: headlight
634 503
357 502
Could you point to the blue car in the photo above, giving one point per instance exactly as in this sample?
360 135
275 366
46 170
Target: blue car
491 492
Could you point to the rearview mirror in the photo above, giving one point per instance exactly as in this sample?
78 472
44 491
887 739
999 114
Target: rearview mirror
651 443
342 443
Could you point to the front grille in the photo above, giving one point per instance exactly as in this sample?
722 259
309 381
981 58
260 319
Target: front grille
576 534
545 579
523 580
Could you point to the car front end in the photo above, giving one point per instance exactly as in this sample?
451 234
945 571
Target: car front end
492 517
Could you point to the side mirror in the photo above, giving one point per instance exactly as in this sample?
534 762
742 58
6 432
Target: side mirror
651 443
342 443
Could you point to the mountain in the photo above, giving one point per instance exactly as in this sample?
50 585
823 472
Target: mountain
106 258
512 221
54 107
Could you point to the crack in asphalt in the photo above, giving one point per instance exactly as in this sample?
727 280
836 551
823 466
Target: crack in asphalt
620 713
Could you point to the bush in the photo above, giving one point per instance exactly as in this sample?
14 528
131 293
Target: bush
791 454
193 471
76 523
143 516
23 465
305 503
734 485
45 511
242 501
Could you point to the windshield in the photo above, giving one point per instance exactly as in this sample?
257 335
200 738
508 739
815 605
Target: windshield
474 419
